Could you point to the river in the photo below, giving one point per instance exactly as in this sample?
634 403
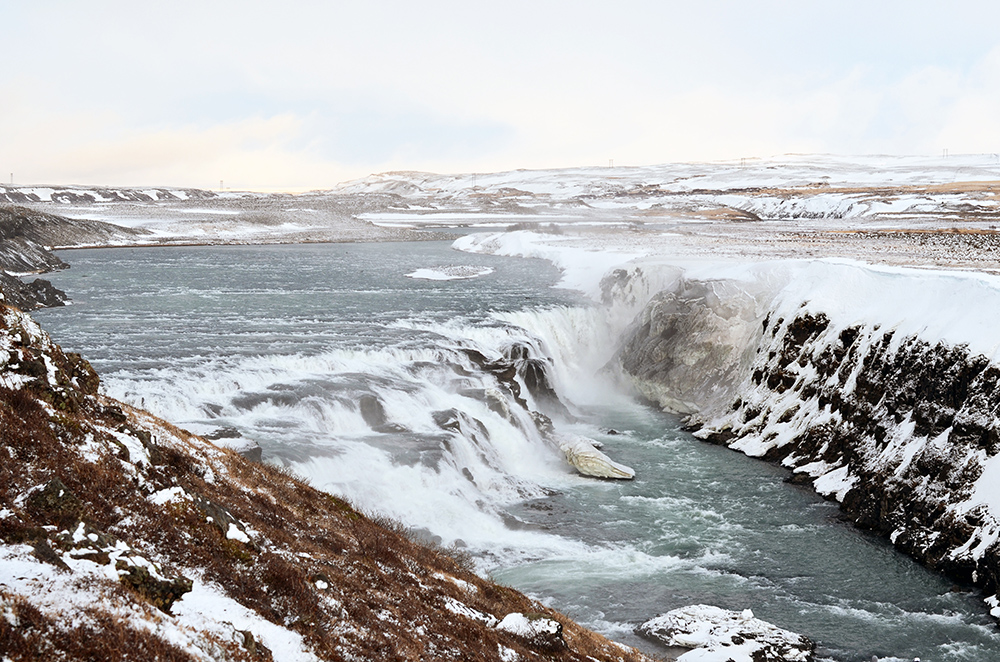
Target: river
362 379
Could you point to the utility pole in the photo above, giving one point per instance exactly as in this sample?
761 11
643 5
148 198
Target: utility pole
611 163
220 185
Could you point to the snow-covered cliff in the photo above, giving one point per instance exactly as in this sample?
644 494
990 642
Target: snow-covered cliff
877 386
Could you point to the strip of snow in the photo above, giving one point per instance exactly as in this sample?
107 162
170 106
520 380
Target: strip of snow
987 487
206 607
455 272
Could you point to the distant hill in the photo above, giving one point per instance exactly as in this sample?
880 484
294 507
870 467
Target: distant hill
93 194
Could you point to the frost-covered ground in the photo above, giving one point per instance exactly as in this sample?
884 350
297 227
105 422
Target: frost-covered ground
898 210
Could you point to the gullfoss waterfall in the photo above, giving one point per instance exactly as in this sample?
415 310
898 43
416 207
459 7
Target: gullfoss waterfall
442 402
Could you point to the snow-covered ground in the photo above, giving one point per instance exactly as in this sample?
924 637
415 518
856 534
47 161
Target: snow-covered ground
898 210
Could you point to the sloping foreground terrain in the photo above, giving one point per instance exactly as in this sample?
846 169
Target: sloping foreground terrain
124 537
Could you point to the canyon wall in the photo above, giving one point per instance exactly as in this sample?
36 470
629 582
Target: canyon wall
900 427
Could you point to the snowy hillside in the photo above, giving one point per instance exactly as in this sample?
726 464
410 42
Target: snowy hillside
123 537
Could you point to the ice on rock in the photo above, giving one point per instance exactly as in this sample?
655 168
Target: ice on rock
716 634
583 455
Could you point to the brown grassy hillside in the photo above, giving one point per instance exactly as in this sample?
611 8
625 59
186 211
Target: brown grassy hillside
122 537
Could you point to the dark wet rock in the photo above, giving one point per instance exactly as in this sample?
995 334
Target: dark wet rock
44 553
30 296
254 646
223 433
457 421
519 366
221 519
56 504
895 429
162 592
373 412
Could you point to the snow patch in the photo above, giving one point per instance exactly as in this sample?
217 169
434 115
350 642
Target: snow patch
455 272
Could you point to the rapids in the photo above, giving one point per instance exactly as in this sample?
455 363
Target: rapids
379 386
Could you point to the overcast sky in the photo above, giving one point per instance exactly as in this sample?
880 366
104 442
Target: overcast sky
295 95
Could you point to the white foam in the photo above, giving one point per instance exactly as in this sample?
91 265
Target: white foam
454 272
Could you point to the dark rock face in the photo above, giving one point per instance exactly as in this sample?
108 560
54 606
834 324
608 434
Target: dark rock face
898 430
26 236
29 296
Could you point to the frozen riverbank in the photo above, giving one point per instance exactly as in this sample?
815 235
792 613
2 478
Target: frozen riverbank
875 385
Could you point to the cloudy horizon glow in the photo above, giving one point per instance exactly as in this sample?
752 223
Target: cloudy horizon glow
307 94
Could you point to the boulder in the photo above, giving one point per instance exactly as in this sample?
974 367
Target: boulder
583 455
720 634
538 630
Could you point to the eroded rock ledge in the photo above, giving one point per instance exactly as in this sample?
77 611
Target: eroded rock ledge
900 431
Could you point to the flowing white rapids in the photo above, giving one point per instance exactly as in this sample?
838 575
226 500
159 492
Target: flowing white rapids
414 398
422 434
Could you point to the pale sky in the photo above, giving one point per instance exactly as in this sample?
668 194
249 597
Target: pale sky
293 95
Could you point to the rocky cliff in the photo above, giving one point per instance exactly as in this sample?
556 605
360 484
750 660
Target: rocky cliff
900 430
26 240
122 537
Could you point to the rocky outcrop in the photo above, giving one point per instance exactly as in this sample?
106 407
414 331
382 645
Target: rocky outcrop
27 235
26 240
122 536
39 293
525 375
720 634
900 431
690 345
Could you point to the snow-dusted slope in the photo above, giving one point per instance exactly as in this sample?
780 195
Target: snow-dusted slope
122 537
98 194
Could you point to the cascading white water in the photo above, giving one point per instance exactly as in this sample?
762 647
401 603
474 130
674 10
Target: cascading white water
395 392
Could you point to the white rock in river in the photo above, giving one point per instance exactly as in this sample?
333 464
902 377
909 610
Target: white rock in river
718 635
584 456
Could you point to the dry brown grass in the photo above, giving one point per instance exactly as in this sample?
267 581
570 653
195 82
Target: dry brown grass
380 596
93 636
